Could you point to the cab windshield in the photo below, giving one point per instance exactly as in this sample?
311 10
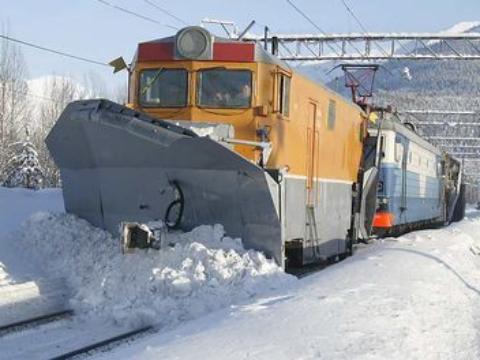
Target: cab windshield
224 89
163 87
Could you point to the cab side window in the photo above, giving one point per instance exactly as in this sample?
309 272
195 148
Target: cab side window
283 99
332 114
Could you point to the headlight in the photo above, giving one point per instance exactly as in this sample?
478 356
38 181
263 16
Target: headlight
193 43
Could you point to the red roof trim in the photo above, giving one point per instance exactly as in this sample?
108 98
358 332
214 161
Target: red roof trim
222 51
155 51
233 51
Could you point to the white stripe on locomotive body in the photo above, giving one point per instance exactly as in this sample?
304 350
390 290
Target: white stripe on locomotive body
325 180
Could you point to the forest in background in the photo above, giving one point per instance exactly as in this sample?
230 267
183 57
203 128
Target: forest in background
27 117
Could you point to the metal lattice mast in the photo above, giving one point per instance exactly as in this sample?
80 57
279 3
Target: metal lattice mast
400 46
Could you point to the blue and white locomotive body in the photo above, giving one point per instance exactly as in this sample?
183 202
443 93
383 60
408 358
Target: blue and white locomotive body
411 185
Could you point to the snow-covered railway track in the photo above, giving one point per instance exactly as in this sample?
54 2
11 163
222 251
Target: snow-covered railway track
35 321
105 344
63 337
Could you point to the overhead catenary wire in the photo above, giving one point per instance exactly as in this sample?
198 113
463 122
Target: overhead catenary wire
357 20
53 51
363 27
166 12
304 15
283 45
138 15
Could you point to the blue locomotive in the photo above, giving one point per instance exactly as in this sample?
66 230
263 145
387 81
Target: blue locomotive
419 186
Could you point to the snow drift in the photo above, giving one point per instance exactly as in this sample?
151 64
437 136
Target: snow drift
202 272
414 297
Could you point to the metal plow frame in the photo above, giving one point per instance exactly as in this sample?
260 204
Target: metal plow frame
118 165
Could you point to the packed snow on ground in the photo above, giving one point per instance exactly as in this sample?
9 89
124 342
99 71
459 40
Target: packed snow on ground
16 205
203 271
414 297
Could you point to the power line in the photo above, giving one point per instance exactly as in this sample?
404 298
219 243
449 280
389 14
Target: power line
350 10
306 17
321 30
130 12
57 52
354 16
361 25
166 12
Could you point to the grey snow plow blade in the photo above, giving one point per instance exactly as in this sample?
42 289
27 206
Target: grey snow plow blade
118 165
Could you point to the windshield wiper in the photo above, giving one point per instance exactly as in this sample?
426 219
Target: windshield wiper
149 84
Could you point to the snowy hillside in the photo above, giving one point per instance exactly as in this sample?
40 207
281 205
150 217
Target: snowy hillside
462 27
441 85
443 80
428 77
412 297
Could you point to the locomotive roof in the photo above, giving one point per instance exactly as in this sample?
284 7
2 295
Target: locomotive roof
391 123
165 46
260 54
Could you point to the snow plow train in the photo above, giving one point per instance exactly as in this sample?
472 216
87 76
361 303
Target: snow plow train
221 131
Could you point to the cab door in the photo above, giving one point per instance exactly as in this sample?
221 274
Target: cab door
312 238
312 154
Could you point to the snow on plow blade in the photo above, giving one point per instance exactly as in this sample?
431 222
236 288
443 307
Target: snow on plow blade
118 165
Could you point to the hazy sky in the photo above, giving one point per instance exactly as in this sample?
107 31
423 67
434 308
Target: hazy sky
91 29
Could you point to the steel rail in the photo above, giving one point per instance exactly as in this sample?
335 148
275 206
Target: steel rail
38 320
102 343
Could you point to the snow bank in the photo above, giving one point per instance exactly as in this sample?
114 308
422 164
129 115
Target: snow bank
16 205
202 272
414 297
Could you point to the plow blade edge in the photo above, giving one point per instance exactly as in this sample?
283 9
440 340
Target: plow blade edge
119 165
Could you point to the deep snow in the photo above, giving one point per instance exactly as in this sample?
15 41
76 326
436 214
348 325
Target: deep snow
16 205
414 297
203 271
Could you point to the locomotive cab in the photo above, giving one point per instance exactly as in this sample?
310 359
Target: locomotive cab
203 82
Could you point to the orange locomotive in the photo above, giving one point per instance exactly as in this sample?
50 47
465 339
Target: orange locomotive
227 133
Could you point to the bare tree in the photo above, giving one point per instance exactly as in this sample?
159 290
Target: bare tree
14 109
58 92
120 94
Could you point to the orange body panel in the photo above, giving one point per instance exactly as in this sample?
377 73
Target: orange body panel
337 150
